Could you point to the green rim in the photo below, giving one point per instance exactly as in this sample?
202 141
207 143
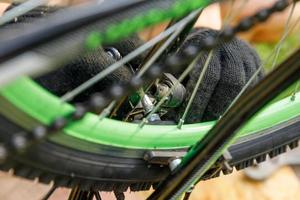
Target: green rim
42 106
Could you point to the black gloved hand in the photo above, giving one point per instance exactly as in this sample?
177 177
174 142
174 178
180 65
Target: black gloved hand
82 69
231 66
86 66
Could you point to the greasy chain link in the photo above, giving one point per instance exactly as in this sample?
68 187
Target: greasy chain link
99 101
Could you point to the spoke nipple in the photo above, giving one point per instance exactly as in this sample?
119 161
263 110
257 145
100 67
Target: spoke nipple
180 124
293 97
144 121
101 117
104 113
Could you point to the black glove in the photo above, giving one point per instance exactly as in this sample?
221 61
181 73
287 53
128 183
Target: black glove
86 66
231 66
82 69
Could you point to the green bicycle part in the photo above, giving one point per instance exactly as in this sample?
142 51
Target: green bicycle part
39 104
126 27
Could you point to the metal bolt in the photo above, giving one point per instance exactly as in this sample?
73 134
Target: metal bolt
180 124
174 163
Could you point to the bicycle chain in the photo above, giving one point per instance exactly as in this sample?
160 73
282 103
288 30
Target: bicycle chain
99 101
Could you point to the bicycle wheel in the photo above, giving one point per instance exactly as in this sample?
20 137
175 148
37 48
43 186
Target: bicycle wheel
92 153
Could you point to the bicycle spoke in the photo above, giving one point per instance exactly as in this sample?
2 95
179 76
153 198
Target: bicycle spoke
153 58
276 49
167 43
21 10
227 20
156 55
201 76
159 104
285 34
107 110
70 95
163 99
